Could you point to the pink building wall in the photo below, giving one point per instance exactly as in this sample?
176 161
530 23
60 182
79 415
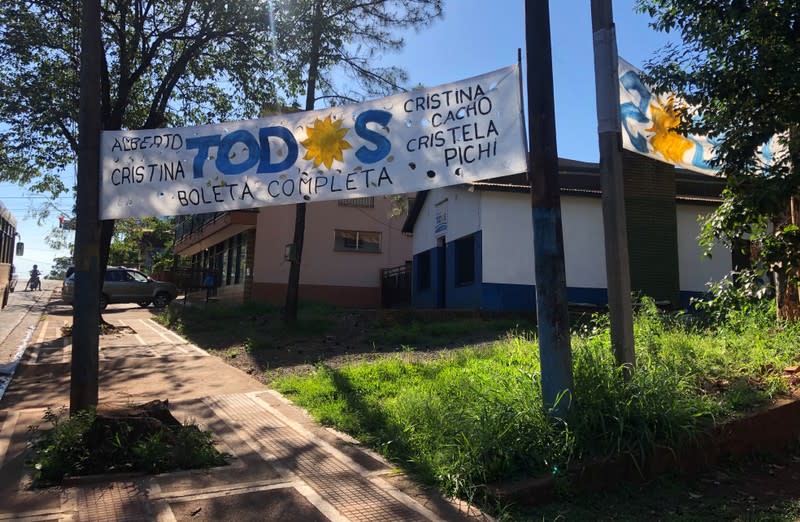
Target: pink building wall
328 275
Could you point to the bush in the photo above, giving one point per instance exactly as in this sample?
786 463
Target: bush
87 443
733 298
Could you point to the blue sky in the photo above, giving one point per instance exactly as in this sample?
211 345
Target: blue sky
476 36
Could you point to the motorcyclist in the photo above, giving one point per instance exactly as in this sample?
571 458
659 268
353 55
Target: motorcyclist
34 283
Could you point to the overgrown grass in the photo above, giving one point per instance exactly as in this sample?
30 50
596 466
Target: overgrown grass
476 417
424 334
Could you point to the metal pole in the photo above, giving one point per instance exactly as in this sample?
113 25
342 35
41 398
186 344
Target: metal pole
86 315
614 225
548 241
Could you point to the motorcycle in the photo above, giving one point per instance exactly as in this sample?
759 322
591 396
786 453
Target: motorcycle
34 283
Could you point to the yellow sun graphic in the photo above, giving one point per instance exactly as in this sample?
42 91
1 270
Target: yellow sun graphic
669 143
325 142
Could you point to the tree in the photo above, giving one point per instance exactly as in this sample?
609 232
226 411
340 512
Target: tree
60 266
138 242
176 62
341 38
736 68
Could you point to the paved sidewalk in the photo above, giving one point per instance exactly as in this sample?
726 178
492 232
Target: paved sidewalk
285 467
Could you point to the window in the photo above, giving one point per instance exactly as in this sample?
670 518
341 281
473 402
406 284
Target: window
368 202
424 270
131 275
465 260
355 241
237 277
114 275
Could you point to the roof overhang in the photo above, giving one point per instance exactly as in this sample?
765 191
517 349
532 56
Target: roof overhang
223 226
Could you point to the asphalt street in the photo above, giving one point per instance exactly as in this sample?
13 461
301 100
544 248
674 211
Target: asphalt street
17 323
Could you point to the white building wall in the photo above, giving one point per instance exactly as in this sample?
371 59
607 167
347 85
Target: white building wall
463 216
508 240
695 269
584 242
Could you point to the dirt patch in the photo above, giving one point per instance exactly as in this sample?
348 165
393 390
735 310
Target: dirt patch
259 343
118 438
266 351
106 330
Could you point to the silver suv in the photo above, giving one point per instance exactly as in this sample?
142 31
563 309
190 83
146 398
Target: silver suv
126 285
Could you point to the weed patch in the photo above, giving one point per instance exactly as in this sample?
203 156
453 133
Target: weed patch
475 416
134 438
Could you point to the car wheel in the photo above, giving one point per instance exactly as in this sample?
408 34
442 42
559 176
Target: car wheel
161 300
103 301
144 304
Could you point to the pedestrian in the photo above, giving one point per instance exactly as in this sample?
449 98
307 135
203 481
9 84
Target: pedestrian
208 283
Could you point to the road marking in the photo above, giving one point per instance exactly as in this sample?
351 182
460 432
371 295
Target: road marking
136 334
42 333
33 516
177 341
164 337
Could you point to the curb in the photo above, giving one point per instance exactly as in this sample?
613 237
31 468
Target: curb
769 430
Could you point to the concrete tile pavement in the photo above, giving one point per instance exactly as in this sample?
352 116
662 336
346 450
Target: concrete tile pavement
285 466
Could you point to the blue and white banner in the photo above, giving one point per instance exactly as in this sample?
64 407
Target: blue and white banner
648 121
423 139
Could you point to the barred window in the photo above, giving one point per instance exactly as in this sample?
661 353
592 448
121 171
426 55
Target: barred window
357 241
367 202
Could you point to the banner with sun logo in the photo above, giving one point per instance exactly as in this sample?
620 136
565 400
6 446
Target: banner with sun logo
648 119
425 138
647 123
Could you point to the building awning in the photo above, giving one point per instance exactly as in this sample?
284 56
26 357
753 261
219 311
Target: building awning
222 226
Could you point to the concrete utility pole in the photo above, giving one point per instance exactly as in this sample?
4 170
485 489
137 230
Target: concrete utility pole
610 136
86 314
552 312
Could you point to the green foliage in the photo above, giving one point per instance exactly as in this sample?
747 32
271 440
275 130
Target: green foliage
59 269
736 70
347 42
62 450
733 298
84 444
137 241
185 63
417 333
476 417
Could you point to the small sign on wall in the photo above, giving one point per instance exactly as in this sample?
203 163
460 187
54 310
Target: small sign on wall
440 220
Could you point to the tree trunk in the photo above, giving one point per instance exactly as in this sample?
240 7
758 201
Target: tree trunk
787 300
293 287
106 234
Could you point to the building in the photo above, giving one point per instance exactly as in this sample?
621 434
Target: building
347 245
473 243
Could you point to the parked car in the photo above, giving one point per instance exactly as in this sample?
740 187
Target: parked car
126 285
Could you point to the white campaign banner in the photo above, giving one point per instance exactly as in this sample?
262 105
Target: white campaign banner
425 138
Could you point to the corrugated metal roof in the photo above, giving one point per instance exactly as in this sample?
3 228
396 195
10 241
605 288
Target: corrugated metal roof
581 178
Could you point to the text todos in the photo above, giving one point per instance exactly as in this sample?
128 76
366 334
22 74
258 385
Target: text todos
274 149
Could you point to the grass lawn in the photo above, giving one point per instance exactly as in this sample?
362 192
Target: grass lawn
474 416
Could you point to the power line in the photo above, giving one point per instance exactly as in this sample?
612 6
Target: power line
37 197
